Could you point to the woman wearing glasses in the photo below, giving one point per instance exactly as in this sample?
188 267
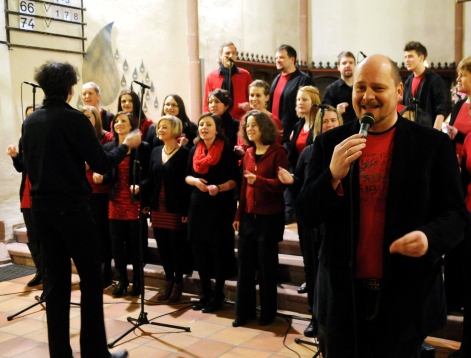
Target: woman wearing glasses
174 106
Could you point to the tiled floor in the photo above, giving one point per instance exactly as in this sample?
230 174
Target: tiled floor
211 334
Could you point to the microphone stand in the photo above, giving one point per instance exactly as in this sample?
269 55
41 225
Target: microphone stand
142 319
414 103
40 300
314 238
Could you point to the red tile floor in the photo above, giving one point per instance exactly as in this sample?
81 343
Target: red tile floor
211 334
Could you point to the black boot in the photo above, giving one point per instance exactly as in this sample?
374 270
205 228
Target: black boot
312 330
121 289
136 288
36 280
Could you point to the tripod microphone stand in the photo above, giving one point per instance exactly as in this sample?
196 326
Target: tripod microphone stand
142 319
40 300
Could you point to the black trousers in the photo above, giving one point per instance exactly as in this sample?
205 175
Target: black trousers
64 236
99 205
175 253
33 242
309 241
125 243
253 255
209 262
258 250
372 341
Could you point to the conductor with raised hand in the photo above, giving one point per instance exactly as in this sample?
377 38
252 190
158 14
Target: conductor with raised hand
391 206
57 141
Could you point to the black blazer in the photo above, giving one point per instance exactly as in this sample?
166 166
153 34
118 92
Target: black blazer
172 173
293 154
460 136
424 194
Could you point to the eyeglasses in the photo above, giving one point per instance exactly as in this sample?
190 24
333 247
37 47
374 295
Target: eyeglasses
248 126
171 105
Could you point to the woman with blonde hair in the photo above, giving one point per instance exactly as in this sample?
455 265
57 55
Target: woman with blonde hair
168 198
303 131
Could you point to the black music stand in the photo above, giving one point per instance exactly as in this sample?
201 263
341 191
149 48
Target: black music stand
142 319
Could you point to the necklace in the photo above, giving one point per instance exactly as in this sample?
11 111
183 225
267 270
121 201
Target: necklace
174 149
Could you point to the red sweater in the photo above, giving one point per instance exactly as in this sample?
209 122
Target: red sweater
265 195
240 84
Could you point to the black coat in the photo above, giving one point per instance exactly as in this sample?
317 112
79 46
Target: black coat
287 108
424 194
172 174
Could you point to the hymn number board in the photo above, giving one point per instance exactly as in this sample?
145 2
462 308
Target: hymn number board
51 25
48 13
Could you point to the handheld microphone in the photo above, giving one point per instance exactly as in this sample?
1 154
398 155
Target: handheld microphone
363 54
322 106
141 84
414 100
230 59
367 121
31 84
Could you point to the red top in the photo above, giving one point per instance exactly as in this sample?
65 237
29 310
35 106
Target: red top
164 220
120 207
240 85
26 198
463 124
145 124
280 86
301 141
265 195
279 125
374 169
416 83
466 153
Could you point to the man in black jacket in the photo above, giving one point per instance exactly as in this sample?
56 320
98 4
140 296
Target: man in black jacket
423 86
57 141
339 93
283 103
285 87
388 219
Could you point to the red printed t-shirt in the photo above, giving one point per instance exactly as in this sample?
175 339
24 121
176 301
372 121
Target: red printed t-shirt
280 86
374 170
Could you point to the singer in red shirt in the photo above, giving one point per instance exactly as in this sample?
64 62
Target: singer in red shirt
386 221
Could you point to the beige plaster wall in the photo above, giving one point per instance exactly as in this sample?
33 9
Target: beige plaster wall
151 31
156 32
382 27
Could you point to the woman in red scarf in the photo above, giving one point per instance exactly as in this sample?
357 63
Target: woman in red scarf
213 172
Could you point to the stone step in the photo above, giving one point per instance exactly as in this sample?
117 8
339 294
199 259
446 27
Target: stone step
288 298
289 245
290 276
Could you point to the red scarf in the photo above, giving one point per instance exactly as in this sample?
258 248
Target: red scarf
202 161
